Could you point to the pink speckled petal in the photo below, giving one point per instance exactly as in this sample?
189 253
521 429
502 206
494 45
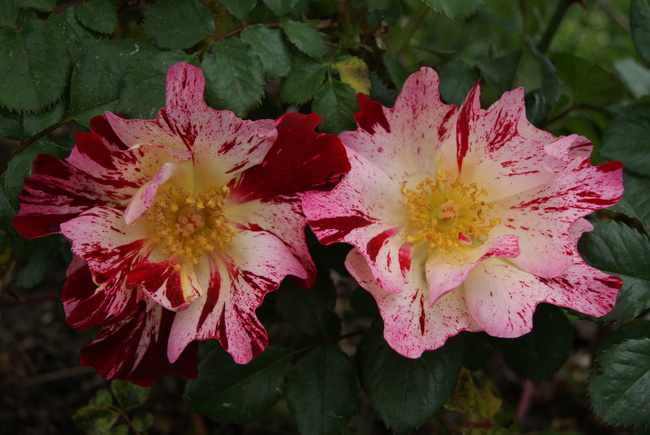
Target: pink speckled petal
502 297
410 327
365 209
447 269
284 219
406 139
581 189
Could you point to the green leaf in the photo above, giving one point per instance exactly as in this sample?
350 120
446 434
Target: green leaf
95 421
322 391
39 255
102 399
128 394
499 73
234 76
306 38
540 102
8 12
97 15
456 80
627 138
34 66
395 70
620 388
39 5
478 348
541 352
23 125
311 311
303 81
226 391
271 49
587 83
336 102
389 14
178 24
143 90
635 329
619 250
98 74
142 421
636 201
76 36
406 392
634 76
280 7
120 429
239 8
640 26
456 9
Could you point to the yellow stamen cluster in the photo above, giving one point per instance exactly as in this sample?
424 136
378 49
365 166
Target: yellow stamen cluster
187 226
446 213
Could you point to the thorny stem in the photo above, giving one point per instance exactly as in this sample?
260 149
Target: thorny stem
407 32
554 24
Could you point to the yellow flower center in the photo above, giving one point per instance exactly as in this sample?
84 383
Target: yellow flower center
187 226
447 214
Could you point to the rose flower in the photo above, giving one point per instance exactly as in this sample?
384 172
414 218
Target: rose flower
179 227
463 218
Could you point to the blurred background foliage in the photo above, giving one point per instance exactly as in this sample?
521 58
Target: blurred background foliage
584 67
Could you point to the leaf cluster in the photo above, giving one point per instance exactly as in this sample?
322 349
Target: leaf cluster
61 63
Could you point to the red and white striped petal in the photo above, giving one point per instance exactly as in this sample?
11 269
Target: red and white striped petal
255 264
410 325
491 152
447 270
88 305
405 140
102 239
317 162
223 145
365 209
134 347
283 219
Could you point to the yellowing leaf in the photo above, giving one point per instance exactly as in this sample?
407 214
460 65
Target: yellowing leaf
354 72
478 403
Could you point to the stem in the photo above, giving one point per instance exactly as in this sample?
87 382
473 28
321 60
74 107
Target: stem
407 32
126 419
24 145
524 400
554 24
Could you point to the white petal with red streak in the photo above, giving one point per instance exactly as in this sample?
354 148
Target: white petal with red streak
223 144
255 263
102 239
146 194
447 269
365 209
491 151
282 218
581 189
410 327
406 139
